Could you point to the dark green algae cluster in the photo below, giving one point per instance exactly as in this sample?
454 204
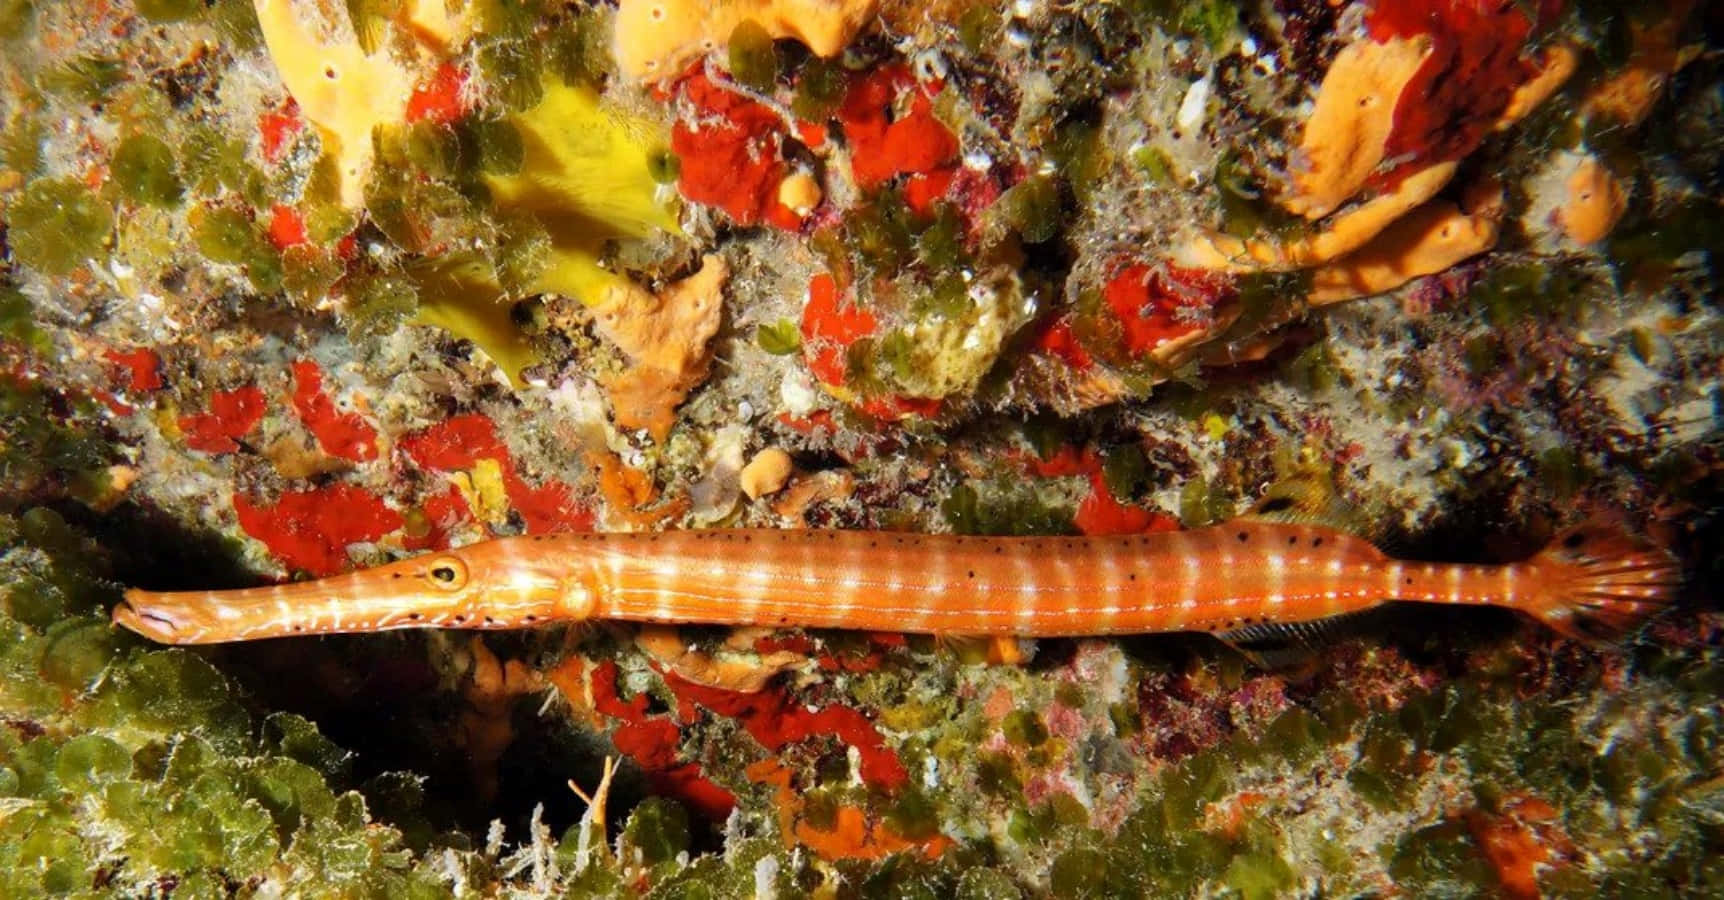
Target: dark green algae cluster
1437 754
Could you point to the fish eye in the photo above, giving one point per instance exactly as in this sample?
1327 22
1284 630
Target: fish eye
448 573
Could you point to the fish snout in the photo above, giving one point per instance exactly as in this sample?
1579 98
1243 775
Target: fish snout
145 613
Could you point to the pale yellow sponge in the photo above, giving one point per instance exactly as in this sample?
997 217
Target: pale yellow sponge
1338 237
656 38
766 473
340 88
1593 202
586 169
1426 241
1344 139
665 338
1627 96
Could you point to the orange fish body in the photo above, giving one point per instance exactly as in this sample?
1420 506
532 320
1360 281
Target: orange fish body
1238 579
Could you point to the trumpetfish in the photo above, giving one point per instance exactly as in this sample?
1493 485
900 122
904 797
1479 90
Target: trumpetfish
1242 581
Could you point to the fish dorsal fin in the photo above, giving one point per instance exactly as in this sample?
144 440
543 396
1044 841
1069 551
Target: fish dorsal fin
1274 645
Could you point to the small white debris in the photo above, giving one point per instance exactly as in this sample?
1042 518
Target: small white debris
766 878
798 392
1193 108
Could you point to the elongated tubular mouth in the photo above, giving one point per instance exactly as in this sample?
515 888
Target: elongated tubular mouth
138 613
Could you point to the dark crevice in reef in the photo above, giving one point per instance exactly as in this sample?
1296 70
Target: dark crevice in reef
151 549
376 696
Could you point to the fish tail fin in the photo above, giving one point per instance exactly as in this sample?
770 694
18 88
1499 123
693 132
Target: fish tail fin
1601 582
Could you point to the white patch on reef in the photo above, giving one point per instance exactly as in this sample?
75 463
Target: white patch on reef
1547 190
766 878
715 494
1193 109
1630 390
798 393
1689 422
581 405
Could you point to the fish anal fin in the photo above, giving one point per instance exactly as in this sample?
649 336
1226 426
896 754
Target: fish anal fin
1276 645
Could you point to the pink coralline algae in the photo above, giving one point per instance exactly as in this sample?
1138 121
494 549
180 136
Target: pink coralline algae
310 530
463 441
343 434
731 153
1476 62
232 415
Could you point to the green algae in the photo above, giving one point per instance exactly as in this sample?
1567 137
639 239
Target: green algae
1259 875
1202 502
820 86
146 767
1154 163
658 830
1003 509
57 224
1214 22
1647 250
227 235
1080 872
1024 728
169 10
16 17
18 321
43 450
780 338
986 884
1125 471
1513 293
940 246
882 232
1032 209
21 145
753 60
86 79
213 161
380 305
146 172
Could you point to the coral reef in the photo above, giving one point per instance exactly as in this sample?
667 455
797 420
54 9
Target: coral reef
288 289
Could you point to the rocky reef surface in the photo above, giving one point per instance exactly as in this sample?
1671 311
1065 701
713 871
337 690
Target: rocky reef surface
292 288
